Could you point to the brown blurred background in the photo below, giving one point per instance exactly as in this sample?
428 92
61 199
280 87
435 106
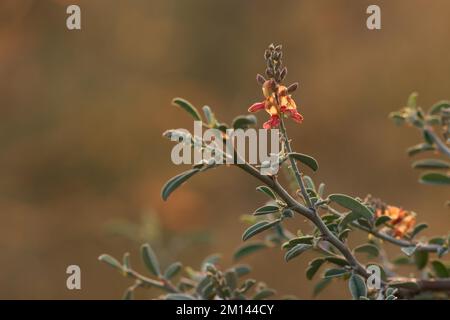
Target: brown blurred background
82 159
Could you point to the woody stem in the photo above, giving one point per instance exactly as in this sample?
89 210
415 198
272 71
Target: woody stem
294 168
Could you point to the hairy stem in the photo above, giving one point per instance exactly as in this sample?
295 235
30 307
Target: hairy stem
441 145
388 238
294 168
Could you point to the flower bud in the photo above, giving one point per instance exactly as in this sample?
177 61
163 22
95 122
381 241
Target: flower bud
292 87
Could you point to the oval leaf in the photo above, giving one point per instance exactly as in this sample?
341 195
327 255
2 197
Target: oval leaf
437 107
305 159
268 191
187 106
313 267
431 164
332 273
243 122
352 204
296 251
418 228
439 269
150 260
266 210
175 182
258 228
106 258
418 148
173 270
435 178
370 249
210 117
249 248
382 220
357 286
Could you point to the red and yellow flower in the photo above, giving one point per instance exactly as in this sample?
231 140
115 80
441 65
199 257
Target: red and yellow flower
402 221
277 102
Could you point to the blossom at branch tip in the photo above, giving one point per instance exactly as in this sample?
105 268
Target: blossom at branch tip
402 221
277 102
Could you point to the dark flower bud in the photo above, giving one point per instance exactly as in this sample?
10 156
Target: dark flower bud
278 48
292 87
283 74
266 54
269 73
260 79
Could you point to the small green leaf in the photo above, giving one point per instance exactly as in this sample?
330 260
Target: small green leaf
333 273
435 178
249 248
370 249
242 270
106 258
313 267
263 294
150 260
431 164
172 270
438 240
210 117
175 182
427 137
352 204
348 218
337 261
187 106
309 183
299 240
305 159
409 251
178 296
296 251
437 107
258 228
418 228
321 189
357 286
401 260
268 191
439 269
382 220
418 148
266 210
421 259
344 234
412 100
322 284
243 122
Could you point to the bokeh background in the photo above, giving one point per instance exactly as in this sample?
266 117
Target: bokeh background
82 160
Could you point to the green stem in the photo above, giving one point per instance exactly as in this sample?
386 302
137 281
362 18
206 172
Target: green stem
441 146
294 167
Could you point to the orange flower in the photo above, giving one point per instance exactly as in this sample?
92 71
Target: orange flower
277 101
402 221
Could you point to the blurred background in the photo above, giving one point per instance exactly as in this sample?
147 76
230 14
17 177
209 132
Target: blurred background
82 160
